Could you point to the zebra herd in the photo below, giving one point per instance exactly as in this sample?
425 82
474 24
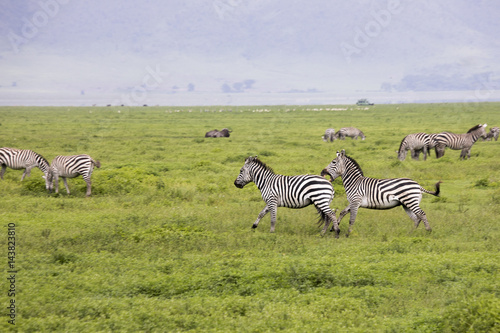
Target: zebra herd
62 166
365 192
422 143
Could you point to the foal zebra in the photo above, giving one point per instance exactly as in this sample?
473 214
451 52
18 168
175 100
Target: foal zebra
329 135
414 143
462 142
352 132
288 191
375 193
71 167
23 159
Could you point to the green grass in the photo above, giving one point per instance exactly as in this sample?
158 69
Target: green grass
165 242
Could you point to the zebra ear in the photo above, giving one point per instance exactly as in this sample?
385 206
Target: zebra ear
338 154
342 152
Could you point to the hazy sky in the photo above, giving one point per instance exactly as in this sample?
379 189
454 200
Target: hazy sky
223 52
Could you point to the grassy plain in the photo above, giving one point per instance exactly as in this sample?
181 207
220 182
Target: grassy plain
165 242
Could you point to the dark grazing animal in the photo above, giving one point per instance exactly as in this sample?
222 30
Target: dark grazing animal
224 133
23 159
288 191
375 193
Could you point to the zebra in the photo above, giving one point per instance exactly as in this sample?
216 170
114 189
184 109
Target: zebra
350 132
24 159
288 191
459 141
329 135
375 193
414 143
71 167
493 133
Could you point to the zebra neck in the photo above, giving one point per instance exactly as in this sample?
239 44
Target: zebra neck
351 177
262 177
42 164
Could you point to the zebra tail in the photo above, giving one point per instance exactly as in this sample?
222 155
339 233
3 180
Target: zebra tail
436 193
97 163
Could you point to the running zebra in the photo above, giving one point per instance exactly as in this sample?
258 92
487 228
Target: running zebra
288 191
24 159
71 167
375 193
462 142
414 143
329 135
350 132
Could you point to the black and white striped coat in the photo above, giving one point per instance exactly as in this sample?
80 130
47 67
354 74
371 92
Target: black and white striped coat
375 193
71 167
351 132
414 143
23 159
329 135
288 191
461 142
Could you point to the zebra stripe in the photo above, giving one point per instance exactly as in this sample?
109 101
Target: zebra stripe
288 191
351 132
71 167
375 193
329 135
462 142
23 159
414 143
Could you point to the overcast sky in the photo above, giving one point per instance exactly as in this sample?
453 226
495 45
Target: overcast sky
227 52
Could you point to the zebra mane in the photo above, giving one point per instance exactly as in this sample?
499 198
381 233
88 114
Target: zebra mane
260 163
474 128
355 163
401 144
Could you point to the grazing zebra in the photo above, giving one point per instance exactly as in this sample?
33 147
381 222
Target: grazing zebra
459 141
350 132
71 167
288 191
23 159
493 133
414 143
375 193
329 135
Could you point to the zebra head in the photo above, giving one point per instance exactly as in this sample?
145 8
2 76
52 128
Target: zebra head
49 177
336 167
245 175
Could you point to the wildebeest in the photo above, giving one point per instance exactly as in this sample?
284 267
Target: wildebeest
224 133
329 135
350 132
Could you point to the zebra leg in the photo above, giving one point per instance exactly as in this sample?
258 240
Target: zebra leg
26 173
56 182
352 218
342 214
273 211
417 217
425 152
89 185
260 216
66 184
2 171
414 154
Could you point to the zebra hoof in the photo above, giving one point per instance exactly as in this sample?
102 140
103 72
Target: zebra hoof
254 226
